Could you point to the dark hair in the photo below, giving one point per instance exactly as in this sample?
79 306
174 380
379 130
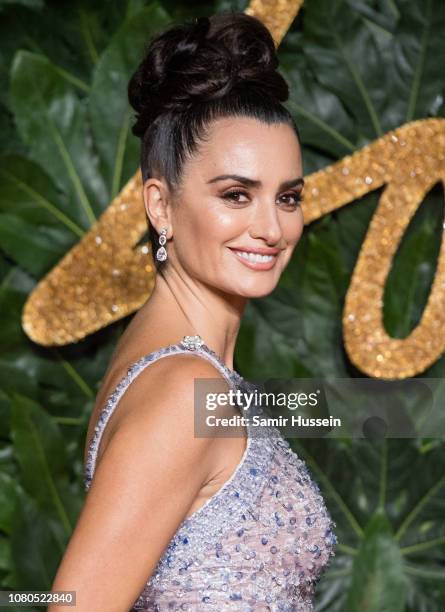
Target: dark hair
196 72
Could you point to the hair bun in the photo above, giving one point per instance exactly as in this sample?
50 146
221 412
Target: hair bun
203 61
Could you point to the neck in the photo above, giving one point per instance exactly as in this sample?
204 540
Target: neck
180 306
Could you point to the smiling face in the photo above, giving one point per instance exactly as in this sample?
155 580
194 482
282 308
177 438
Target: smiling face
236 218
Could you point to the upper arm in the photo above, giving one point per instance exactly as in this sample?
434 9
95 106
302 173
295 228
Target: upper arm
149 475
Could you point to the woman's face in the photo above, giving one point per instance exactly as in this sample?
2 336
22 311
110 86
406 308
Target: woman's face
238 233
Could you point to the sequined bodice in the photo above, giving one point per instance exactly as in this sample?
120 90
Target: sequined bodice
260 543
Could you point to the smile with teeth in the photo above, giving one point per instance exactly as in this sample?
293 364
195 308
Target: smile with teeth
255 257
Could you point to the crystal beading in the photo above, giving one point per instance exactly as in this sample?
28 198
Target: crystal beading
261 542
192 342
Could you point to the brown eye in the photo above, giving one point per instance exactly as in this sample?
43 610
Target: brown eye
233 196
295 198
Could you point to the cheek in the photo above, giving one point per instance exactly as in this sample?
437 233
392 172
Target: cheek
293 229
203 230
221 225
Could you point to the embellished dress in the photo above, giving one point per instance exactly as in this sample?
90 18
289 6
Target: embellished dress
260 543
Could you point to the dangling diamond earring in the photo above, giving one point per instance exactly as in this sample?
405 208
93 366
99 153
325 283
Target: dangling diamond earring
161 253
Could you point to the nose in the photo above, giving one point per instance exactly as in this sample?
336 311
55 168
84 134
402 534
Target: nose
265 223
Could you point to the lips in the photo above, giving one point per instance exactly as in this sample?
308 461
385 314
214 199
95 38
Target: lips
260 250
256 259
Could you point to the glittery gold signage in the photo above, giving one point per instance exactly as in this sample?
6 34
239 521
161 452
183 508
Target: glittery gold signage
277 15
408 161
106 277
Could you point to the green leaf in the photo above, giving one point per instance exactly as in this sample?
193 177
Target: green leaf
40 451
321 293
8 501
320 117
414 266
346 59
270 353
27 191
52 121
11 333
5 554
378 581
352 223
32 4
35 251
110 111
35 550
417 69
402 515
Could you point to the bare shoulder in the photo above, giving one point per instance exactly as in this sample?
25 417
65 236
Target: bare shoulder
159 406
150 474
156 413
169 382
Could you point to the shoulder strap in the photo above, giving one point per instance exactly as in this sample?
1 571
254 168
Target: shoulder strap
133 371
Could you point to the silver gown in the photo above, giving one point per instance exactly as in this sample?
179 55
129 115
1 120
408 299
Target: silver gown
260 543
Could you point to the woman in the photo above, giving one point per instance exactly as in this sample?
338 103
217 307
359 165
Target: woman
173 521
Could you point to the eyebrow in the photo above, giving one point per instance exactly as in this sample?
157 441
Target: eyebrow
255 183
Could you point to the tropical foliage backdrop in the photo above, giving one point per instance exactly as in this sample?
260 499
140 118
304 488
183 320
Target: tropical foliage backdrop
357 68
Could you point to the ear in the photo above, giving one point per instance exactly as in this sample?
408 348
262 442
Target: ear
157 204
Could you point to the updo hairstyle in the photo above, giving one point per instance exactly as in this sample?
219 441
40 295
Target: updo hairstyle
193 73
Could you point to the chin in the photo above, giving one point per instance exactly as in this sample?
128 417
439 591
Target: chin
255 290
259 293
